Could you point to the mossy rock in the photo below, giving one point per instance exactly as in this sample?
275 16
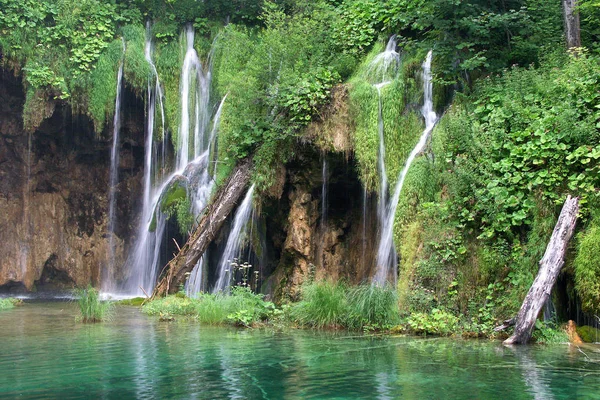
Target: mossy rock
176 193
136 301
588 334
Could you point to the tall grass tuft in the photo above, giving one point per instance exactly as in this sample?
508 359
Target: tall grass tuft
92 309
324 305
372 307
335 305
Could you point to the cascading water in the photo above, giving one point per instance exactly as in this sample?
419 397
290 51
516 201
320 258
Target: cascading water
142 262
234 242
200 196
386 256
383 70
192 77
324 173
385 65
108 281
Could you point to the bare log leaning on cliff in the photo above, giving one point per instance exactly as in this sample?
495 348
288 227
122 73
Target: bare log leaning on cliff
550 267
174 273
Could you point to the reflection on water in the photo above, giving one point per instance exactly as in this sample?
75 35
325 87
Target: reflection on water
45 353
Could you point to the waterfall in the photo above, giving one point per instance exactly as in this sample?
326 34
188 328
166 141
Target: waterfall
142 262
234 242
191 64
383 69
383 184
324 173
108 281
364 227
386 256
195 84
385 65
200 196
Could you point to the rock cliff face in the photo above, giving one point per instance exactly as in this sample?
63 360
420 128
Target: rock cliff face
53 194
310 247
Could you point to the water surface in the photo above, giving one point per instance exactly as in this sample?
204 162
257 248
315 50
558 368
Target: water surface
44 353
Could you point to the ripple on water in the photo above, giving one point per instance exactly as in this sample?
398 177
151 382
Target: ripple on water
45 353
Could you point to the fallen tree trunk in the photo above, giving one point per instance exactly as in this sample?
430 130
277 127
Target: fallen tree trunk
550 267
174 273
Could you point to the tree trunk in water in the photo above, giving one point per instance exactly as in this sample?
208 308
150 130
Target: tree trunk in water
174 274
550 267
572 25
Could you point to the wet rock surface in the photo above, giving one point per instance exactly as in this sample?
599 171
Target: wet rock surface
53 195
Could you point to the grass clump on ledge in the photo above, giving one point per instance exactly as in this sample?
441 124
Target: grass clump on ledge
8 303
241 308
335 305
92 309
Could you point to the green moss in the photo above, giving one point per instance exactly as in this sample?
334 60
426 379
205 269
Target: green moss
588 334
136 301
168 58
101 86
402 124
37 107
176 193
587 270
135 68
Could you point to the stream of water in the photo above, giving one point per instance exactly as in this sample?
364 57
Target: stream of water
108 281
47 354
235 241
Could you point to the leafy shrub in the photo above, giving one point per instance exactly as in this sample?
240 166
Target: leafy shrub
549 333
91 308
242 307
8 303
438 322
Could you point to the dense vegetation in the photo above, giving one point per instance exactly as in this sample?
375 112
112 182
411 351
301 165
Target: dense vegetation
520 129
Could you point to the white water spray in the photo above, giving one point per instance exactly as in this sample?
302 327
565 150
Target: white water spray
108 281
234 242
386 255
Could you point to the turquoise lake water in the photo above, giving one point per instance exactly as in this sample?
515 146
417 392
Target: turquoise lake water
45 353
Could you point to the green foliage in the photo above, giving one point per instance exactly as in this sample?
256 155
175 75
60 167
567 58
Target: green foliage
470 36
588 334
532 131
175 202
274 87
101 87
438 322
136 69
241 307
547 332
91 308
587 270
8 303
